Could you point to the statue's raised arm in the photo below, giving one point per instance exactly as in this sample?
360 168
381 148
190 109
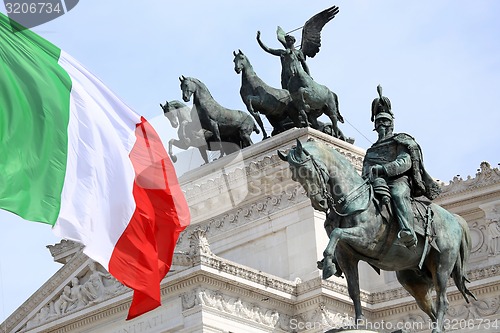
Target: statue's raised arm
276 52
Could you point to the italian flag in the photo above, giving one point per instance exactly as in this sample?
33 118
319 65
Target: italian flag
74 156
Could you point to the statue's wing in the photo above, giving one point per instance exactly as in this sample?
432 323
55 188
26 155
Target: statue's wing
311 32
280 34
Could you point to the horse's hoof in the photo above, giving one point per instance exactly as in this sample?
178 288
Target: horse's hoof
327 272
329 268
173 158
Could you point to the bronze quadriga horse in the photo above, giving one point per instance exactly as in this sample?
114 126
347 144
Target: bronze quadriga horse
260 98
189 131
334 186
226 125
314 99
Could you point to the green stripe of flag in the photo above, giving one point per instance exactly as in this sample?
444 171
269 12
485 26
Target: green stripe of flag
34 116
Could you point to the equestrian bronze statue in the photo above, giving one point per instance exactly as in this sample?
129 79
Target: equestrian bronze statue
370 217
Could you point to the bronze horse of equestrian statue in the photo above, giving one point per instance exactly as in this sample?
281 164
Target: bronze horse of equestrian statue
363 233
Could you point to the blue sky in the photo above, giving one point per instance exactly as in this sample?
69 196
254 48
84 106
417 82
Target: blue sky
438 62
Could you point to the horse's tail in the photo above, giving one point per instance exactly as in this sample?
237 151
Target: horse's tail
255 128
336 99
459 272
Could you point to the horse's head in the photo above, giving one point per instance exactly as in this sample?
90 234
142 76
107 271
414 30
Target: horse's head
306 171
171 113
188 88
240 61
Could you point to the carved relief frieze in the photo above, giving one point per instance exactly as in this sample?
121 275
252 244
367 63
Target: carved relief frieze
234 306
485 238
483 273
481 308
493 237
342 289
473 317
322 316
477 232
90 288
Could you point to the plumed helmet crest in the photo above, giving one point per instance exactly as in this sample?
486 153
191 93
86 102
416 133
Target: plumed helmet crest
381 104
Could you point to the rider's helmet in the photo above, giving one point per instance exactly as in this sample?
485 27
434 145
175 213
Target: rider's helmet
383 115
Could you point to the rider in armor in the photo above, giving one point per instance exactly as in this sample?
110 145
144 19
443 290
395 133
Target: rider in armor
396 159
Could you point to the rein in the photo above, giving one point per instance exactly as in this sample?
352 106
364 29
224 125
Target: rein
340 207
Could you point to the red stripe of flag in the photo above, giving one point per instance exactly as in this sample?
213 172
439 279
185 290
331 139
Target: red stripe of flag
143 254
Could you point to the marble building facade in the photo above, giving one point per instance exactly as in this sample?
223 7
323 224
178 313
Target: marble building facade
247 262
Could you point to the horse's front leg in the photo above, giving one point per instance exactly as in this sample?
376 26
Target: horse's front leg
350 268
251 103
216 139
170 152
355 237
182 132
182 144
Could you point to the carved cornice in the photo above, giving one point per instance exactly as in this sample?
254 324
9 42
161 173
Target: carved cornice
251 172
249 274
338 288
63 251
247 213
301 288
485 176
201 254
255 170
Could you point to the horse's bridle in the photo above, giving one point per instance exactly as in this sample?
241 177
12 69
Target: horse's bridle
341 206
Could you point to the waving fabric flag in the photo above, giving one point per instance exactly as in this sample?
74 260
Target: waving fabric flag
74 156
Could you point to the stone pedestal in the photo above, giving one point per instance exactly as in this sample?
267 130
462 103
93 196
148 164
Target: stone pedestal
254 214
